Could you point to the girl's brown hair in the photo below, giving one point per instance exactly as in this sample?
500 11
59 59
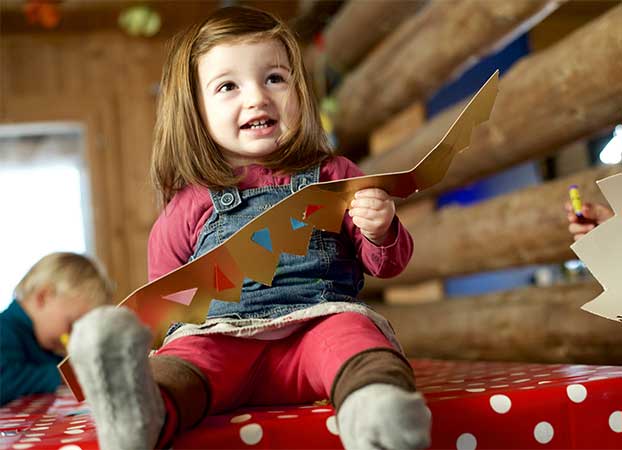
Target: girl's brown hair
184 153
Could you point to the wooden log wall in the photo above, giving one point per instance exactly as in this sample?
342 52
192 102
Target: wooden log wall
420 55
529 324
552 98
107 82
564 92
346 45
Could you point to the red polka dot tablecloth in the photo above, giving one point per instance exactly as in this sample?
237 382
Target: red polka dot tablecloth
474 405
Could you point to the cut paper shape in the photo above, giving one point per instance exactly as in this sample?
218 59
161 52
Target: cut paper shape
183 297
262 237
239 260
296 224
220 280
311 209
601 252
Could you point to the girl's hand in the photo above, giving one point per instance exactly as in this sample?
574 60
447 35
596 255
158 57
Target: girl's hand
372 210
593 215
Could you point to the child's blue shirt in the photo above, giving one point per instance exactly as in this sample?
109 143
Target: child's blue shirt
25 367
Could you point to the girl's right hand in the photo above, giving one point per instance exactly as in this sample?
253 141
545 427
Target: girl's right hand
593 215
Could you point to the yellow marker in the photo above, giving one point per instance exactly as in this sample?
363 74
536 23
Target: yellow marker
64 339
575 200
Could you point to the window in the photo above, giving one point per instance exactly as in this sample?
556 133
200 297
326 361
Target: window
44 197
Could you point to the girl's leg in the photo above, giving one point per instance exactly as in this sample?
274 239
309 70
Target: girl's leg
108 350
371 385
140 402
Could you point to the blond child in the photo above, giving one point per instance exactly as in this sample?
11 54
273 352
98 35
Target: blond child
56 291
238 131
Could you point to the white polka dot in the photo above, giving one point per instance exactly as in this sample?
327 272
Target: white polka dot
31 439
543 432
287 416
34 434
74 431
331 424
40 428
544 382
73 422
22 446
240 418
70 447
73 439
321 410
576 392
522 380
475 390
615 421
466 441
22 415
251 434
500 403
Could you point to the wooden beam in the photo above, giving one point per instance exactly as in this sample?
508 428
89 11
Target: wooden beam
359 26
529 324
421 55
547 100
397 130
525 227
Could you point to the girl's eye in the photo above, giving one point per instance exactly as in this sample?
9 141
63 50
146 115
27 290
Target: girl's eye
275 78
226 87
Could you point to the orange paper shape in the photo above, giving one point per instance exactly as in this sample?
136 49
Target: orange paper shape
220 280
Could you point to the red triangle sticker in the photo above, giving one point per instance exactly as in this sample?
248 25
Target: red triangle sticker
183 297
220 280
311 209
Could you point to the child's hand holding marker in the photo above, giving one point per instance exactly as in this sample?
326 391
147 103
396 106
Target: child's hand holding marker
584 217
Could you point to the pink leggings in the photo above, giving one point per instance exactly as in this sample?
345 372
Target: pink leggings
296 369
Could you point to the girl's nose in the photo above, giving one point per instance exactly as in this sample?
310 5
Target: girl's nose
255 96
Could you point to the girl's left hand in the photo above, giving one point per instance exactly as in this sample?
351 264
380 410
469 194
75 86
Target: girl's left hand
372 210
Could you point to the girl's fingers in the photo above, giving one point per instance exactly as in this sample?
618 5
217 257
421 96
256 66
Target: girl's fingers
367 225
370 202
372 193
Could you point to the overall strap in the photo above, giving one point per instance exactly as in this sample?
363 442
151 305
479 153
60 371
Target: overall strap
226 199
304 177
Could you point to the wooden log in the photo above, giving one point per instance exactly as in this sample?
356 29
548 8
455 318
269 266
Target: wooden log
547 100
530 324
424 52
525 227
426 292
397 130
345 43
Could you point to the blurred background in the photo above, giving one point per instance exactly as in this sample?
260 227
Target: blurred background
492 276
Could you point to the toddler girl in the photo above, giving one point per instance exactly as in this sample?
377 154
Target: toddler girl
237 131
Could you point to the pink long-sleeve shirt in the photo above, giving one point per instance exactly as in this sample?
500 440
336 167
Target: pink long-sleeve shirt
174 235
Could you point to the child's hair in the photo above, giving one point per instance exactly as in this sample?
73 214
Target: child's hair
183 151
67 274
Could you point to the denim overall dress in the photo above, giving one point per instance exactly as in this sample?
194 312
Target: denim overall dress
329 272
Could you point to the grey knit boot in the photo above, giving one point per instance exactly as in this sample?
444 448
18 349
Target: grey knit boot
383 416
108 350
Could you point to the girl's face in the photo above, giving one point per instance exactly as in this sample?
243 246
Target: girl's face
247 101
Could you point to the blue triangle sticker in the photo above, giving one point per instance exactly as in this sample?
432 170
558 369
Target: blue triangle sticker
296 224
262 237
